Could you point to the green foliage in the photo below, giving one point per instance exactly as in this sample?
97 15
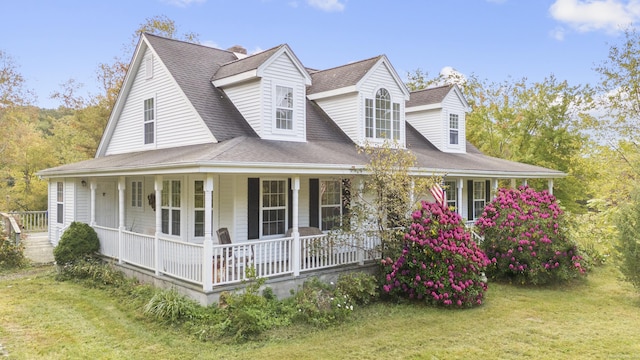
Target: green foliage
534 123
526 238
361 287
628 247
440 264
321 304
170 307
11 255
595 231
76 243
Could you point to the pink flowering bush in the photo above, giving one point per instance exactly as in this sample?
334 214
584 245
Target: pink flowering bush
439 263
525 237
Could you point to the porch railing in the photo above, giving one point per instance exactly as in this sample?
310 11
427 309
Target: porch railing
229 263
32 221
10 227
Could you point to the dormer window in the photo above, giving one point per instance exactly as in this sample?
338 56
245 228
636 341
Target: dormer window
453 129
284 107
382 117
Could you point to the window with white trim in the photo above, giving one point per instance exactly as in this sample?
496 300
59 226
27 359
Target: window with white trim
284 107
60 202
330 204
479 198
382 117
170 207
198 208
451 193
149 121
454 126
274 207
136 194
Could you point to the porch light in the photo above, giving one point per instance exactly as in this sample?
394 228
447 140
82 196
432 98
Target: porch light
83 183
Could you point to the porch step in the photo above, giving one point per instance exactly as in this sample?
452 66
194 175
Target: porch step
38 249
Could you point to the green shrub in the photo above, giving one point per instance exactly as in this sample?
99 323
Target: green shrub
76 243
321 304
526 238
628 247
171 307
440 263
361 287
11 255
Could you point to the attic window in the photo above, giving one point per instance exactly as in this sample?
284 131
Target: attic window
382 117
148 67
453 129
284 107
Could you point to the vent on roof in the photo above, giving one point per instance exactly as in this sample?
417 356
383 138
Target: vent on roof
238 49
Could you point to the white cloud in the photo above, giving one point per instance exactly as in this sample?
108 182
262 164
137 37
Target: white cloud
183 3
610 16
557 33
327 5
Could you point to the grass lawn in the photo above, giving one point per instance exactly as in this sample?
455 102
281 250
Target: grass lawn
598 318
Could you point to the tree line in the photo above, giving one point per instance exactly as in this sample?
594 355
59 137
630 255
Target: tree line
588 132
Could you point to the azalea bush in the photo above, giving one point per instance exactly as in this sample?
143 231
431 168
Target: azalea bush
526 238
440 263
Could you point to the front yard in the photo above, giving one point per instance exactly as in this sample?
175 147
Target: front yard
595 318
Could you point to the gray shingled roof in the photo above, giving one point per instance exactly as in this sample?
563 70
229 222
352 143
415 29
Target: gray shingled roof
327 146
242 65
192 66
428 96
341 76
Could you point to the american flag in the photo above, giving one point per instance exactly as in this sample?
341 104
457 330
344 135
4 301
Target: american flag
438 193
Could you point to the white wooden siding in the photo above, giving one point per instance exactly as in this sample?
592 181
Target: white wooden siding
177 123
53 212
452 105
429 123
240 230
69 201
82 203
345 111
282 71
246 98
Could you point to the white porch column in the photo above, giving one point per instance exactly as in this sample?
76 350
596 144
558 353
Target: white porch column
412 194
459 202
207 253
525 182
494 187
156 242
550 185
92 203
122 185
513 183
297 249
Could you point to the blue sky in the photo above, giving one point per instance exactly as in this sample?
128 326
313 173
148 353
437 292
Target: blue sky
54 41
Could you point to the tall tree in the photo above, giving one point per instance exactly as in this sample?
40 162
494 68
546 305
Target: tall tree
534 123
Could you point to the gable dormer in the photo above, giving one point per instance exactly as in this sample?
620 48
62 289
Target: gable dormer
366 99
439 114
268 89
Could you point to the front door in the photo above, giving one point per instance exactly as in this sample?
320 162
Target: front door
106 204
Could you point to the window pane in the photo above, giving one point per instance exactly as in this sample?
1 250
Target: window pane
175 193
148 133
139 193
199 223
60 213
453 137
368 105
396 121
175 222
165 193
451 193
165 221
383 114
199 194
478 190
330 217
478 207
60 192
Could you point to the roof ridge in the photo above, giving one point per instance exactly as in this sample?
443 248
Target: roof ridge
349 64
433 88
186 42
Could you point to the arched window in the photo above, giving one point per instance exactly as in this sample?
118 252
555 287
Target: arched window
382 117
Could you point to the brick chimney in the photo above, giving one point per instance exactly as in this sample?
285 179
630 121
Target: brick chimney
238 49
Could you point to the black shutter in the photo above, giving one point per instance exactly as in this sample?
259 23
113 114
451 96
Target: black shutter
289 205
253 195
314 203
487 191
469 199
